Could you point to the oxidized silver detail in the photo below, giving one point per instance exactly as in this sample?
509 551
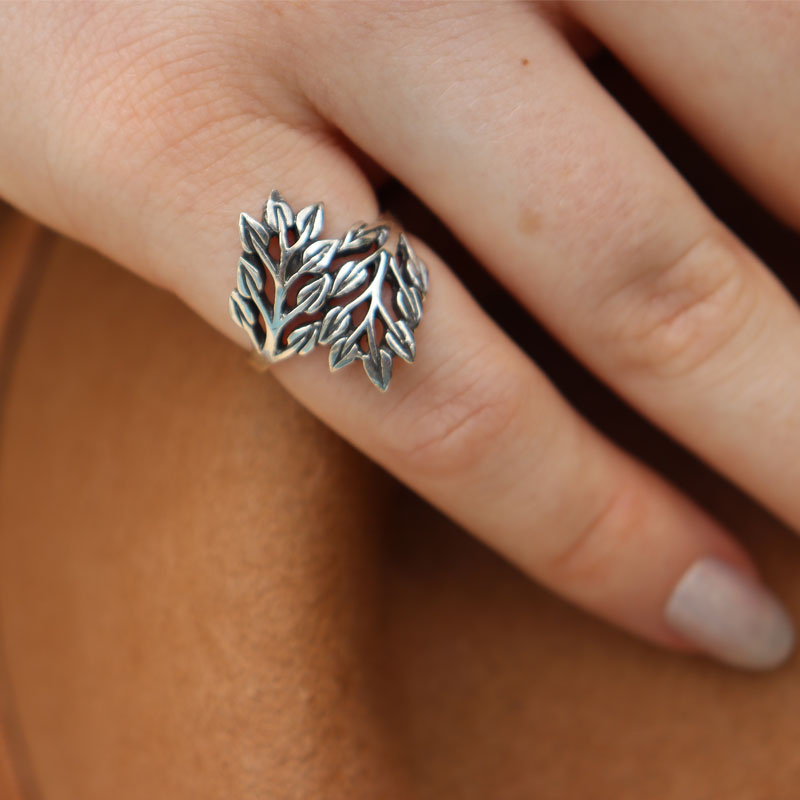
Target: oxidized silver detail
295 290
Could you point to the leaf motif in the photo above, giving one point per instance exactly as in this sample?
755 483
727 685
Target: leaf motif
278 213
379 369
255 271
402 342
250 228
382 332
422 273
244 313
318 255
304 338
342 353
255 241
411 266
334 324
242 284
247 287
409 304
403 304
350 235
359 238
266 304
315 293
310 220
349 277
243 309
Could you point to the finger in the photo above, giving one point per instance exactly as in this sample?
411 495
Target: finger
728 71
473 425
475 428
585 221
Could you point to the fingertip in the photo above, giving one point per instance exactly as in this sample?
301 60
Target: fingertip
731 616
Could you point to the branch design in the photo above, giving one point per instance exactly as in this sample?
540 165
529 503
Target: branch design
276 253
295 290
384 331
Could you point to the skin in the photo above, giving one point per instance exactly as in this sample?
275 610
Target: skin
143 130
174 625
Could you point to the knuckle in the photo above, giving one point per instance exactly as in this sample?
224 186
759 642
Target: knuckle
448 423
589 555
672 319
175 103
168 109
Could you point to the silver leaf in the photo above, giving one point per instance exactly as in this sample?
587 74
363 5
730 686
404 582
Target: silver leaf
304 338
315 293
403 343
342 353
318 255
359 237
349 277
379 369
250 228
310 220
255 271
413 268
334 323
278 213
242 308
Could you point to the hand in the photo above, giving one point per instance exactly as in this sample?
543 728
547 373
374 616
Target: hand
145 129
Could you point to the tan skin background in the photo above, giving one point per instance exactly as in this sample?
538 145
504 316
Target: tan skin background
206 594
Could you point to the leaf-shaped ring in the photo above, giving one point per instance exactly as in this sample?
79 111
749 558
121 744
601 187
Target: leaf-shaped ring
295 290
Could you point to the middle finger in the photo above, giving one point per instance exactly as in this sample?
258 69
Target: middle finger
496 124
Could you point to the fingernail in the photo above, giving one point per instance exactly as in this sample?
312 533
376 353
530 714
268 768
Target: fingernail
730 616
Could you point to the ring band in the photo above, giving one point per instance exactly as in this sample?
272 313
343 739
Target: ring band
295 290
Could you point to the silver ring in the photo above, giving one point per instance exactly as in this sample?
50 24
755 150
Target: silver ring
295 291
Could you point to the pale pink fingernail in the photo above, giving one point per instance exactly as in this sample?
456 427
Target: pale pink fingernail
730 616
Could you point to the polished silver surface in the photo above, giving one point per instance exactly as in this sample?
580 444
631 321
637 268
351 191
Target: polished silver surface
296 290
